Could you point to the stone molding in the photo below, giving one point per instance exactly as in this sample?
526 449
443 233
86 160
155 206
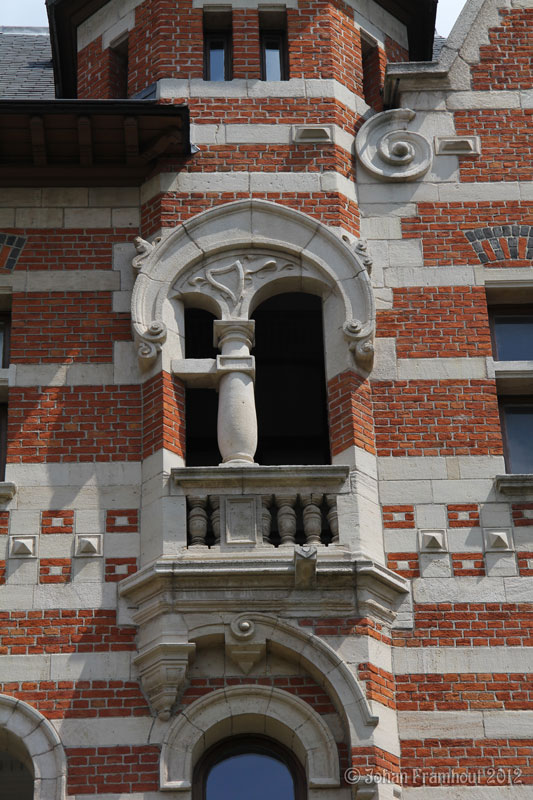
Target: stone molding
389 151
40 741
249 709
8 491
514 484
233 257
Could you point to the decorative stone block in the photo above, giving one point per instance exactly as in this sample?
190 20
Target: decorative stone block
23 546
88 545
433 541
497 540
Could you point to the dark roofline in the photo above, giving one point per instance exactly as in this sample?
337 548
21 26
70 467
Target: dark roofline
88 142
65 15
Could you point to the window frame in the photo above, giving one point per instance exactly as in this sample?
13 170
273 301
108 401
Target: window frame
281 36
218 26
510 310
5 317
241 745
511 400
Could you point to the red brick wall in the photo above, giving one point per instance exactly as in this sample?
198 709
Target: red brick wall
65 327
47 521
118 568
505 143
63 631
4 523
82 699
483 762
464 692
346 626
398 516
172 208
163 415
59 249
301 685
469 625
74 423
117 769
55 570
246 55
350 413
379 684
443 226
506 63
440 322
431 418
405 564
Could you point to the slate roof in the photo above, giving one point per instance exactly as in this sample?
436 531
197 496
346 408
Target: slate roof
25 64
438 44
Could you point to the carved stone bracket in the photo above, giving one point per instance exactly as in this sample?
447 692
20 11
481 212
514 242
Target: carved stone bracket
389 151
163 668
244 645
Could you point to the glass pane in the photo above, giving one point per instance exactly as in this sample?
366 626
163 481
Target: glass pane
16 783
519 430
272 60
217 60
514 337
250 776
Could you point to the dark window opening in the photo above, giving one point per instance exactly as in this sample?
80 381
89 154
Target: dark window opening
517 425
16 779
512 332
201 405
248 766
5 337
273 43
118 69
290 384
372 91
217 46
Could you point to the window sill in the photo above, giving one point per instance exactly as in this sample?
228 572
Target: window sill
514 484
512 377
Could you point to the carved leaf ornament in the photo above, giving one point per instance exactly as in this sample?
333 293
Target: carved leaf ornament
242 275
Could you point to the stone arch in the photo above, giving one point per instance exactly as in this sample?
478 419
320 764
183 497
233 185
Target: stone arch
23 724
317 657
229 258
249 709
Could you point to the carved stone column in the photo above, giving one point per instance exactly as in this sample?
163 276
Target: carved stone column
237 421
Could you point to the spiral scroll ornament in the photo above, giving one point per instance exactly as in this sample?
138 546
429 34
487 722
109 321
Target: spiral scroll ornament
150 343
360 336
391 152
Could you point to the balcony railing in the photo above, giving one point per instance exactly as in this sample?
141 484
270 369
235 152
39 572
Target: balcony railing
248 507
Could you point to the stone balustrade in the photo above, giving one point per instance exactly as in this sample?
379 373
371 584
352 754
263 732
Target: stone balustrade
255 506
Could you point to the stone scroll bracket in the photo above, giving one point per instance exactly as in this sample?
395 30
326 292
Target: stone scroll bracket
389 150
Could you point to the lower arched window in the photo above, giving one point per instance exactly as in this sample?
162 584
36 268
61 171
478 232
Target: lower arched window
16 775
247 767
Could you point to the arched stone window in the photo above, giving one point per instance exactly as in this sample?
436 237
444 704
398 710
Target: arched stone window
244 766
229 261
31 754
251 711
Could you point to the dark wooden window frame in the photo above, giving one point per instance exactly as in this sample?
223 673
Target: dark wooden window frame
281 37
253 745
503 402
223 36
5 318
510 310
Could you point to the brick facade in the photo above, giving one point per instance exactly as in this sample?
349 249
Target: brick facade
372 613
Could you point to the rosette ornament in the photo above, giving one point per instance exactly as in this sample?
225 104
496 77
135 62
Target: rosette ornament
387 149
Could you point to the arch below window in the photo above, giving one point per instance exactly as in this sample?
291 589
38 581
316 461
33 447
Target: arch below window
28 736
248 765
249 710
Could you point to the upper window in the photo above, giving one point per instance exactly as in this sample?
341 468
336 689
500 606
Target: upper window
118 68
217 46
512 340
5 329
512 332
273 41
245 767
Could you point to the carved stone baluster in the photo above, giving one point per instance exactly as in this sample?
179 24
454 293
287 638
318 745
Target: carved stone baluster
286 518
237 420
312 518
266 517
333 517
214 501
197 521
